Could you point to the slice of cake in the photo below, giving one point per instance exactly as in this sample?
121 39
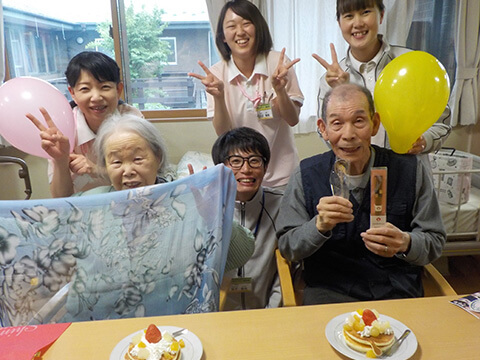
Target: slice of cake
365 331
151 344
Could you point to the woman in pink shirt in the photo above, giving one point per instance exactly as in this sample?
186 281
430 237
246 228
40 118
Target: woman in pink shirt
254 86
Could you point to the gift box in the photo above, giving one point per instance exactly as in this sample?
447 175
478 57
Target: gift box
452 188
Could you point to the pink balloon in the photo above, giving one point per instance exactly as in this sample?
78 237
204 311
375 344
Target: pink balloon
23 95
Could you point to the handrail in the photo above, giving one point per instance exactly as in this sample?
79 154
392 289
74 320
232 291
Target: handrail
22 173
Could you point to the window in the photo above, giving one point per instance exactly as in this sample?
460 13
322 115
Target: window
432 21
165 40
160 40
42 36
172 46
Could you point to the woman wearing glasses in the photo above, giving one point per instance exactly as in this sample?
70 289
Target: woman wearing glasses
247 153
254 86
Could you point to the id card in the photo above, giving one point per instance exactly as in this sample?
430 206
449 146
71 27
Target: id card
242 284
264 111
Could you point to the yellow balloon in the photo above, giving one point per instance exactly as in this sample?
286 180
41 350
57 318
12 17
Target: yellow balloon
410 95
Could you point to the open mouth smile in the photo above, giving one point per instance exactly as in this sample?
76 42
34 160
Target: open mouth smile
349 150
242 42
246 181
131 185
98 108
360 34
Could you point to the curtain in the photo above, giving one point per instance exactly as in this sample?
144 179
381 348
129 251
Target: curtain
306 27
465 94
397 20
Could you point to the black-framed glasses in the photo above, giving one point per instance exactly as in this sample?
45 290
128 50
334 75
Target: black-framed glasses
236 162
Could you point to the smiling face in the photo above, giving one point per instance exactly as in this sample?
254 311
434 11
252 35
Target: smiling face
349 126
129 160
360 29
248 179
96 99
239 35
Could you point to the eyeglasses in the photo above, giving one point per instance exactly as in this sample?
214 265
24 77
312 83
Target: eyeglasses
236 162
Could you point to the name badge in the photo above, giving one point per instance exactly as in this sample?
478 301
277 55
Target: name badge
264 111
242 284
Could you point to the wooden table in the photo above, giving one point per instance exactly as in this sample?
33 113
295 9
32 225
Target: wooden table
443 331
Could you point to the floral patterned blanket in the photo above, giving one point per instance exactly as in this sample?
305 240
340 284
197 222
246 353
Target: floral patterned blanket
149 251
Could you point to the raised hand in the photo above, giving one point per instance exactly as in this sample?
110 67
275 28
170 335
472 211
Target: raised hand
54 142
191 170
279 76
418 146
333 210
213 85
386 241
335 74
80 165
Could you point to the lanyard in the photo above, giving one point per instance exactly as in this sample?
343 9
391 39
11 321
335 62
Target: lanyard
240 271
259 220
255 100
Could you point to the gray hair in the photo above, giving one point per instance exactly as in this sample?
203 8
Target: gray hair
131 123
344 91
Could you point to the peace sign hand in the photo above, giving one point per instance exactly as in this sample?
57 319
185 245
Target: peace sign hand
335 74
54 142
279 76
213 85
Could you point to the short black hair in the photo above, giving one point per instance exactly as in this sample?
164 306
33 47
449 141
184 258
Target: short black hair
248 11
101 66
242 138
345 91
344 6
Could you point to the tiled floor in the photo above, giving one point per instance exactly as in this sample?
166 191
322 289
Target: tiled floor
464 273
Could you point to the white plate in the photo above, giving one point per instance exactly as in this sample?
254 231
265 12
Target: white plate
475 305
334 334
193 349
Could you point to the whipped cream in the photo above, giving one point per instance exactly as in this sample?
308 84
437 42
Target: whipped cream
156 350
367 331
383 326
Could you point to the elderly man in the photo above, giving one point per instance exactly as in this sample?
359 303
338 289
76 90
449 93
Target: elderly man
344 258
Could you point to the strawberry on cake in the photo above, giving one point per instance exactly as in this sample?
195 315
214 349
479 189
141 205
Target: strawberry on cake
151 344
364 331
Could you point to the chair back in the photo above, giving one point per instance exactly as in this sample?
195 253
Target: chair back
433 282
155 250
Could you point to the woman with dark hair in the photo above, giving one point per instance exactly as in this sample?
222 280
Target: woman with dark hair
368 54
254 86
95 86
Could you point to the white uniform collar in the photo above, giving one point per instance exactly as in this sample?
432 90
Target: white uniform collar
84 133
260 68
369 64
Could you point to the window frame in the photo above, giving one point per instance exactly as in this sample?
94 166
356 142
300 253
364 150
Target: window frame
177 115
122 58
173 40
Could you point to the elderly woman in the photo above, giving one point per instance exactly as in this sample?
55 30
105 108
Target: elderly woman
133 154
